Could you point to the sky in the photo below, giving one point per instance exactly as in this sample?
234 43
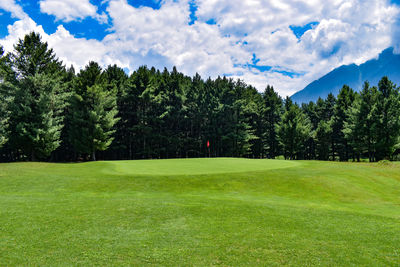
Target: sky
287 44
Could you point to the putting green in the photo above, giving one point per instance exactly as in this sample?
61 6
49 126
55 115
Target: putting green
193 166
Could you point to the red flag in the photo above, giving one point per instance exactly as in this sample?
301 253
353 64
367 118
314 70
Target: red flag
208 143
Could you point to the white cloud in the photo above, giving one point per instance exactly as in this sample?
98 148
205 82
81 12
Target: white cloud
18 30
15 10
348 31
71 50
70 10
192 48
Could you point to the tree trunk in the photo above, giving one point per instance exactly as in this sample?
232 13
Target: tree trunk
94 156
33 157
130 150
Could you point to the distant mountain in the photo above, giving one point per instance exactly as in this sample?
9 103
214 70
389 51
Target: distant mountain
387 64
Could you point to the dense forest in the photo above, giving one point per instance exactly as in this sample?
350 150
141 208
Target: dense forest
48 112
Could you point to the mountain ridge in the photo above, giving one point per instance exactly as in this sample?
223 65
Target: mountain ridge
387 64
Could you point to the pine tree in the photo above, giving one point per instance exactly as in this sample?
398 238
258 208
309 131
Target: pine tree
4 117
360 128
172 101
311 111
211 106
293 131
271 116
250 134
36 115
32 56
254 117
387 108
344 101
5 88
65 151
353 126
116 80
93 112
194 118
324 110
39 98
322 136
369 120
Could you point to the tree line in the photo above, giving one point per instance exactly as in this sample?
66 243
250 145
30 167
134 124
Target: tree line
49 112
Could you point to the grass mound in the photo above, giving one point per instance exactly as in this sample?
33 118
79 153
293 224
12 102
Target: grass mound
194 166
200 212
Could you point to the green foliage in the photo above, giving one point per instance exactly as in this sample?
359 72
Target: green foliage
94 111
293 131
36 115
4 98
373 126
360 127
344 101
323 139
4 116
169 115
271 116
387 111
38 98
32 56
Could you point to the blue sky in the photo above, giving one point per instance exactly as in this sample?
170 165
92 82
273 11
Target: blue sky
284 43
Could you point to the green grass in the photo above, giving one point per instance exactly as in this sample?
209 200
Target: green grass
200 212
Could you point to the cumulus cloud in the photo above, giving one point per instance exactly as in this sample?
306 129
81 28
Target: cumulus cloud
71 50
245 37
15 10
70 10
18 30
192 48
348 31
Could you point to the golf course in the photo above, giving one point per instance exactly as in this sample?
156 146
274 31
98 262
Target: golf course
200 212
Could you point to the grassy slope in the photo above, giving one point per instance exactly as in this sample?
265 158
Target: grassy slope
187 212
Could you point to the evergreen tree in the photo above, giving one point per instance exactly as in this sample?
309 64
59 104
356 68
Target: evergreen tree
254 108
322 136
93 112
5 88
65 151
249 138
194 118
116 80
39 98
234 132
36 115
271 117
4 116
211 106
141 114
353 126
32 56
172 91
369 119
360 129
311 111
324 110
328 111
344 101
293 131
387 109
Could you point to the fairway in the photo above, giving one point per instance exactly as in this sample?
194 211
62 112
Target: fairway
200 212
